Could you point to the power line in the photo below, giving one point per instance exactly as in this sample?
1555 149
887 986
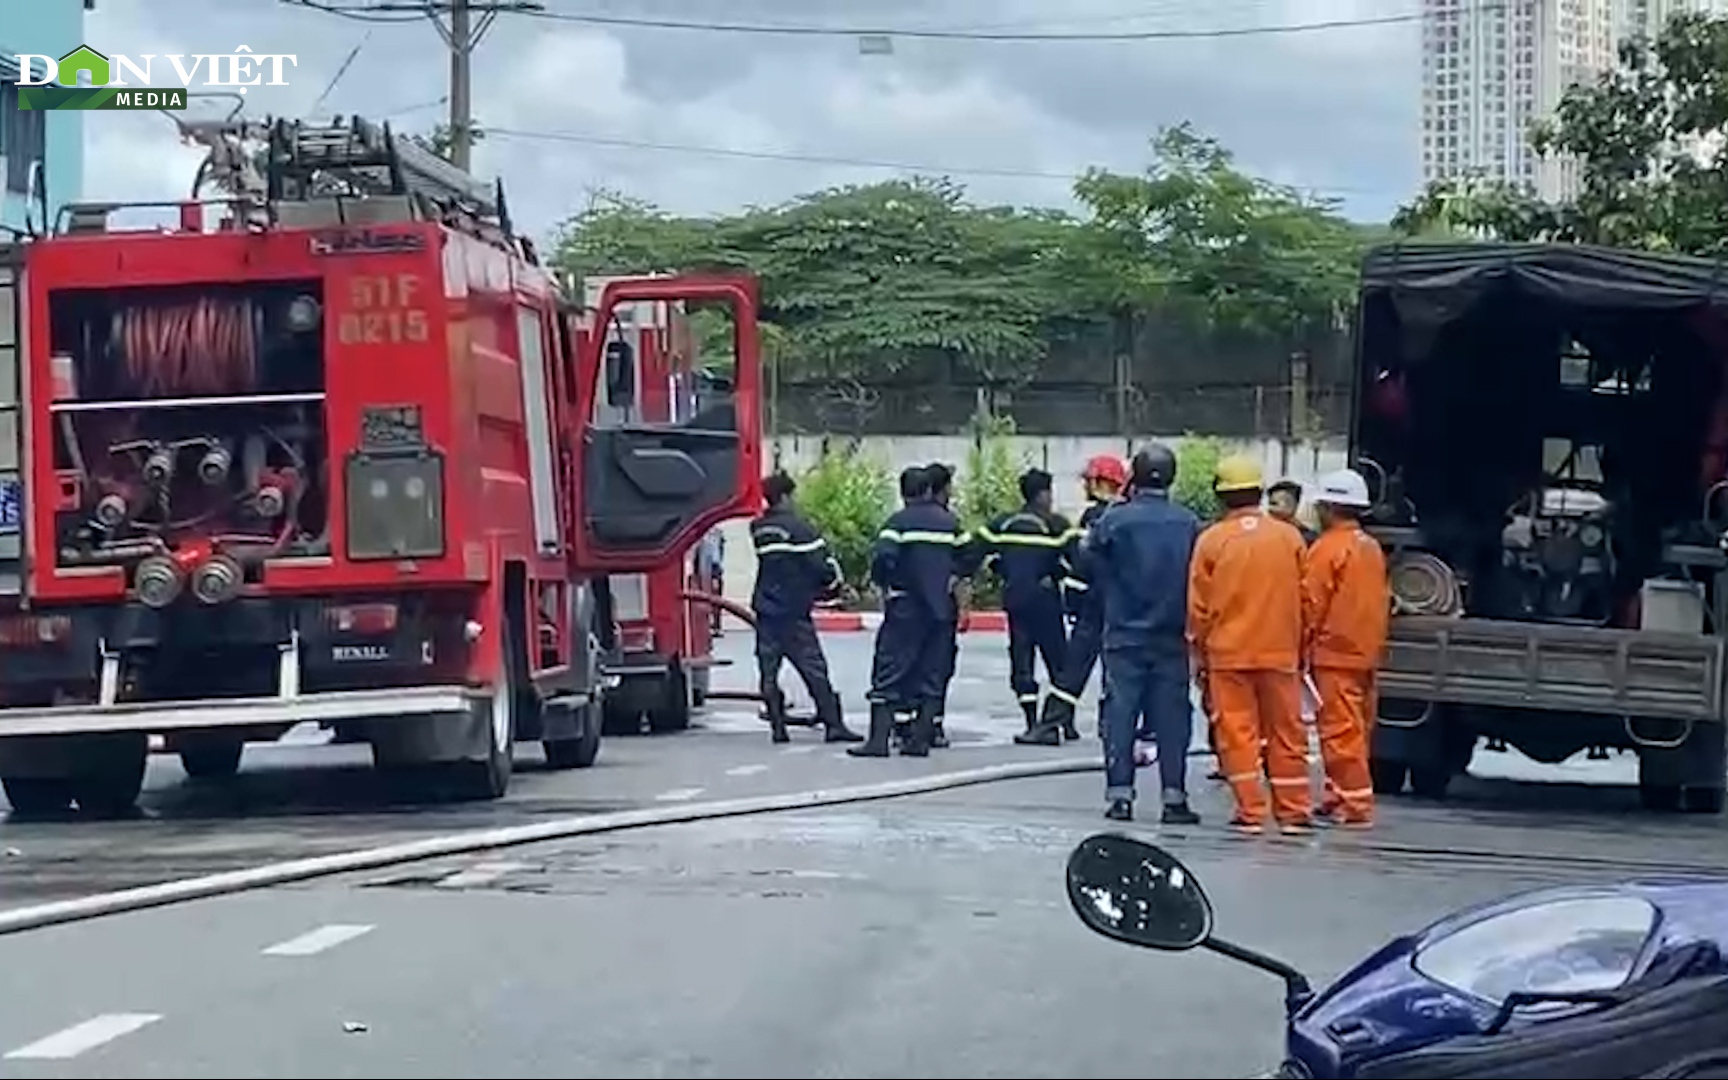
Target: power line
820 159
808 30
392 12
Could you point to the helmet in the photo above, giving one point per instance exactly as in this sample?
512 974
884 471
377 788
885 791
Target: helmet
1238 472
1154 467
1344 488
1106 467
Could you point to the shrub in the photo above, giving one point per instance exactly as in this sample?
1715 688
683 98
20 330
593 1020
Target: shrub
1196 461
847 495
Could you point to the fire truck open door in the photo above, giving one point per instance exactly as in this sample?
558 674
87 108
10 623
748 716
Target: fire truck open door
649 488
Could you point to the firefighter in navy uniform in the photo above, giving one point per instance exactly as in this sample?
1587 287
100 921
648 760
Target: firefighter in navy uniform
912 563
941 479
1105 479
794 569
1029 549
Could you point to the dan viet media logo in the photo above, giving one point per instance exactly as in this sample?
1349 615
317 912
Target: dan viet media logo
141 82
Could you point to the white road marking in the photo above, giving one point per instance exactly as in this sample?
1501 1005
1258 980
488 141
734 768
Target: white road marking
747 770
80 1038
683 794
480 874
317 941
807 748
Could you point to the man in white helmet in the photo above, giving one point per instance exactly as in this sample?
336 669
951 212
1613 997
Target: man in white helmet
1347 604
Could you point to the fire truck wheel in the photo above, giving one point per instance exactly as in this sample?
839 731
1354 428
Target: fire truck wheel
672 711
490 778
37 796
620 718
215 759
113 778
580 752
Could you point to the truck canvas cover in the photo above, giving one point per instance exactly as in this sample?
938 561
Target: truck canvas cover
1433 282
1478 365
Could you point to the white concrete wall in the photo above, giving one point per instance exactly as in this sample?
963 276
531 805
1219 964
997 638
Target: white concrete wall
1063 457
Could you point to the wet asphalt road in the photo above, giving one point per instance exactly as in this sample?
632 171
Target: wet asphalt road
922 937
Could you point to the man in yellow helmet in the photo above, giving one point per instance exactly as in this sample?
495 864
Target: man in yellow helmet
1245 626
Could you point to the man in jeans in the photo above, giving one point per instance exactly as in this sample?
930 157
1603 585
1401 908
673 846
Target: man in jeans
1137 556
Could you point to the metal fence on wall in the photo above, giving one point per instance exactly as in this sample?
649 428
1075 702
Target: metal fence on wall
1175 379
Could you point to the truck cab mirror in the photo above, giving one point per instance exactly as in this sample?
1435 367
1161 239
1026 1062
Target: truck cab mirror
620 374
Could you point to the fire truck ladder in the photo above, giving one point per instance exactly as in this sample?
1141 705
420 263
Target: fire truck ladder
360 158
11 426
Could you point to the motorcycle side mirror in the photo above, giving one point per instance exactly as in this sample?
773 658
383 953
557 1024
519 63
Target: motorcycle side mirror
1136 893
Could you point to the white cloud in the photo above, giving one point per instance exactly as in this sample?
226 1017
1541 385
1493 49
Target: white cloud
1331 110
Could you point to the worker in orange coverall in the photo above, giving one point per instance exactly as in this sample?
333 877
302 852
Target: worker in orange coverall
1245 624
1346 606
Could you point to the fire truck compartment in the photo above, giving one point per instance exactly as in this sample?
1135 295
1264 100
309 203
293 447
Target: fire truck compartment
188 426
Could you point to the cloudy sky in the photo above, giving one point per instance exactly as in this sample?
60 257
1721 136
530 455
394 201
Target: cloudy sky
706 121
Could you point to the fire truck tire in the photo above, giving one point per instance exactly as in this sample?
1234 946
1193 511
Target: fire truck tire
113 779
37 796
672 712
489 778
580 752
212 759
619 718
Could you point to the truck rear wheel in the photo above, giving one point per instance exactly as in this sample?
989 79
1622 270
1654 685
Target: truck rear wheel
1388 776
489 778
672 712
37 796
212 759
114 778
582 751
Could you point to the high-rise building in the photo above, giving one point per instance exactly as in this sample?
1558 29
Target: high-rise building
1492 67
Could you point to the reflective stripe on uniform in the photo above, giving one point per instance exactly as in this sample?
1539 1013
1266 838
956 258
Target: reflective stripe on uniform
920 537
786 548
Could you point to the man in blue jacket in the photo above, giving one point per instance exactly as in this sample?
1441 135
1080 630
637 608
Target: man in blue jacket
1137 557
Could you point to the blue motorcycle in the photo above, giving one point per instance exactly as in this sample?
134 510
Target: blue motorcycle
1614 982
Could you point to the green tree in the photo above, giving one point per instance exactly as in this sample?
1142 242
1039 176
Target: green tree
889 275
440 139
1647 140
1196 234
864 278
617 234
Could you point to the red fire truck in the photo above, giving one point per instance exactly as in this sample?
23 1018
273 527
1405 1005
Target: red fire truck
664 649
329 460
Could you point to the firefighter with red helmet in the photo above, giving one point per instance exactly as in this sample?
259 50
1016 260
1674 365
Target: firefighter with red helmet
1105 478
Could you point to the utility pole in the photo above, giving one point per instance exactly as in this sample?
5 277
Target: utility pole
461 36
462 42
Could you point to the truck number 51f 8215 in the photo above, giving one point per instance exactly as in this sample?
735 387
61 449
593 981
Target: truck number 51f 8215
382 310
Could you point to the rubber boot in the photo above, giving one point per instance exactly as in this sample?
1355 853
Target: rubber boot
776 705
834 721
881 729
919 733
1048 730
